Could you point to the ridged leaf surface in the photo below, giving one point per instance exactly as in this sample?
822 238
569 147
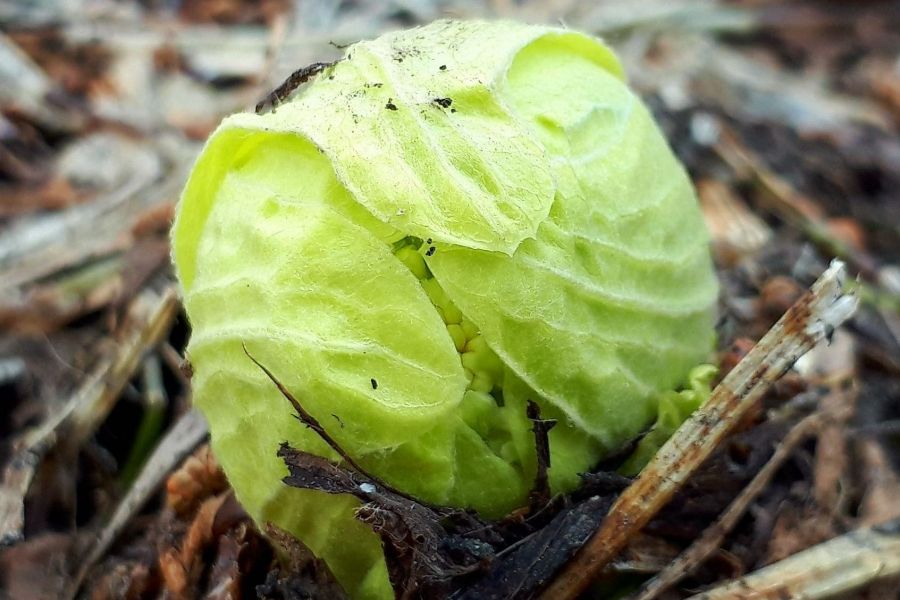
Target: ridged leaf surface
561 237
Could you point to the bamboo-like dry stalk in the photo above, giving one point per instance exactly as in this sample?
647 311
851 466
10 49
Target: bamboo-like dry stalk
835 567
706 544
180 440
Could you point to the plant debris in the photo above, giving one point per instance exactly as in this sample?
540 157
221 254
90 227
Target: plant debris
786 117
429 549
294 81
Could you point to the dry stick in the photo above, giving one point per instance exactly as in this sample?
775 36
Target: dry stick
812 318
182 438
104 388
711 539
176 363
785 202
831 461
830 569
85 410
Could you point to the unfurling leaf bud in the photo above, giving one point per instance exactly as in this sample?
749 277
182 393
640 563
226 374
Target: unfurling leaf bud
448 222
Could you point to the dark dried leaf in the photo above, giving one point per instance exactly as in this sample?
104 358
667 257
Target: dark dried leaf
524 569
540 492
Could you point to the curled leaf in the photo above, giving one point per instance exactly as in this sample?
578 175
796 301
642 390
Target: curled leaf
444 225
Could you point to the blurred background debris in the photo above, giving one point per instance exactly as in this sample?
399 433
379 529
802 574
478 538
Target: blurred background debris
785 113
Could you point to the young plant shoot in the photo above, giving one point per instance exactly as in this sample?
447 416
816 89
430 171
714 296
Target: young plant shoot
447 223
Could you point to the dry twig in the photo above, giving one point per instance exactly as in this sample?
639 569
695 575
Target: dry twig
86 409
711 539
182 438
837 566
789 205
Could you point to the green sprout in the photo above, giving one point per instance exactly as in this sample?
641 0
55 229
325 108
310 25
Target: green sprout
447 223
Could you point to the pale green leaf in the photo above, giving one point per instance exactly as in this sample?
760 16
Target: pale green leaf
566 264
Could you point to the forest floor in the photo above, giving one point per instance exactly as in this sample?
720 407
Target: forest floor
786 115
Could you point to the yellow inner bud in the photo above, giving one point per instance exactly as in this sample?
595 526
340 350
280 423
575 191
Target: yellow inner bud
482 366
